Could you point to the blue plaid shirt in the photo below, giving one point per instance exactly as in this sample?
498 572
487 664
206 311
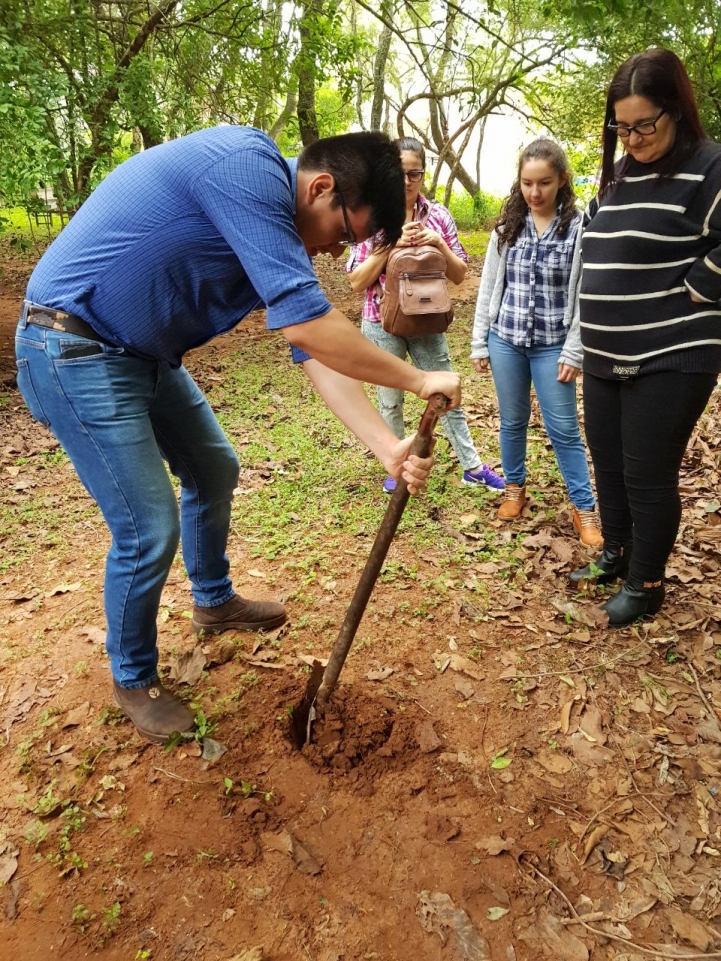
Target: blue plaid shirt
182 241
535 297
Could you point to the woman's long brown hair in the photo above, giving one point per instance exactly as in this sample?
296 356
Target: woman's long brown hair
512 218
659 76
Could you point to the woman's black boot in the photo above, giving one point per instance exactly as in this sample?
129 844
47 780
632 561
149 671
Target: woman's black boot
609 565
634 599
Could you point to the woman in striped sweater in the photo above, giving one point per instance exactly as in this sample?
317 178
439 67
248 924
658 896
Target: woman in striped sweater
650 317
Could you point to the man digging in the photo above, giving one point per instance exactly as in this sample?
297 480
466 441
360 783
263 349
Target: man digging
175 246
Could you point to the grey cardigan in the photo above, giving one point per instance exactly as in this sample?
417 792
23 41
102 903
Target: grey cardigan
490 294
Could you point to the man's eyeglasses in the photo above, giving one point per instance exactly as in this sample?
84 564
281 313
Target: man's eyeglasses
643 129
349 238
415 176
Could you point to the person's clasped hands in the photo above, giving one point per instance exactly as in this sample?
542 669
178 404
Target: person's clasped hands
415 234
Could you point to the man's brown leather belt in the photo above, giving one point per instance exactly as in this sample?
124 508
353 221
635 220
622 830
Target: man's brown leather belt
59 320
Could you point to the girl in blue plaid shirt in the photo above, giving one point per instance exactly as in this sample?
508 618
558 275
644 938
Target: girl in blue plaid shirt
527 326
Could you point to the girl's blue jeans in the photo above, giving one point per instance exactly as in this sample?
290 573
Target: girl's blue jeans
514 369
120 419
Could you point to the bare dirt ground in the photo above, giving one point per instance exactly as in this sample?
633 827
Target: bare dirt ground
499 776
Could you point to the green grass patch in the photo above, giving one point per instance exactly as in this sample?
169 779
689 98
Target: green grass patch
318 485
475 241
21 233
476 212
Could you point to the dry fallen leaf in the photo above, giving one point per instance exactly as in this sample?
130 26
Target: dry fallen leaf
495 844
566 716
380 675
592 840
312 658
287 844
689 929
76 716
260 662
64 589
250 954
8 861
187 667
438 914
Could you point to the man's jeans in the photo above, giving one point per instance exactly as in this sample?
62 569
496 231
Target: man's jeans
118 418
514 368
427 353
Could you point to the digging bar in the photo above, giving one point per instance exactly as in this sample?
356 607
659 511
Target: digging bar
320 687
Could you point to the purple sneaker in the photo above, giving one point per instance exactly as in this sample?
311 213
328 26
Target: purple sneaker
484 475
389 485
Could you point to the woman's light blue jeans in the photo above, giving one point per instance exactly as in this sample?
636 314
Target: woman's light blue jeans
120 418
514 369
426 353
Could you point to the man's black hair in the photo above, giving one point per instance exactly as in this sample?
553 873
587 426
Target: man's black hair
367 169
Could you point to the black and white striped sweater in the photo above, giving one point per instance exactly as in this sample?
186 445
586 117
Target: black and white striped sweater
648 243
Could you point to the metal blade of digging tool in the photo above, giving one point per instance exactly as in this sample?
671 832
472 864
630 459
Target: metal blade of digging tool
321 686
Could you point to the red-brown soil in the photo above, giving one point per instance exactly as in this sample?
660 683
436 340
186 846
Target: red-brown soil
115 849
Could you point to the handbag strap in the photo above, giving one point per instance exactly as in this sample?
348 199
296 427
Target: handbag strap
423 220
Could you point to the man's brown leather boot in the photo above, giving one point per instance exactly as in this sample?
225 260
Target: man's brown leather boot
238 614
154 711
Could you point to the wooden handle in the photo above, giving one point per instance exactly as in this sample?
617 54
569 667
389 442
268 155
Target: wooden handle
436 407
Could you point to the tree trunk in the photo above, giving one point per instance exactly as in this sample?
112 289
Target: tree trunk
379 76
481 138
291 103
306 70
98 121
272 21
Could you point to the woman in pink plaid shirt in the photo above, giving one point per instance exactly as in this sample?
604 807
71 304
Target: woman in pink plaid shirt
366 269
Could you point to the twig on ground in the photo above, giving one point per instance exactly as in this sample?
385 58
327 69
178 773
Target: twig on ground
709 706
483 734
177 777
573 670
598 815
577 918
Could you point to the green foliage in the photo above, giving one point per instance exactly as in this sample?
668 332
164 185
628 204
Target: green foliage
574 93
477 212
82 85
81 917
335 115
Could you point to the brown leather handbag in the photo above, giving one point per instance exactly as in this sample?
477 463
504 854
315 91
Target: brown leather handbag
415 301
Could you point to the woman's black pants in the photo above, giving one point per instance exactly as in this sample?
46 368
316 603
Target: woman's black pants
637 431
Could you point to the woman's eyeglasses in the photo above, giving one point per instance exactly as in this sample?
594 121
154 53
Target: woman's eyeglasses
643 129
415 176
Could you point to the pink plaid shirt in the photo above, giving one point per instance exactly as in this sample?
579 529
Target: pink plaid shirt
439 219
